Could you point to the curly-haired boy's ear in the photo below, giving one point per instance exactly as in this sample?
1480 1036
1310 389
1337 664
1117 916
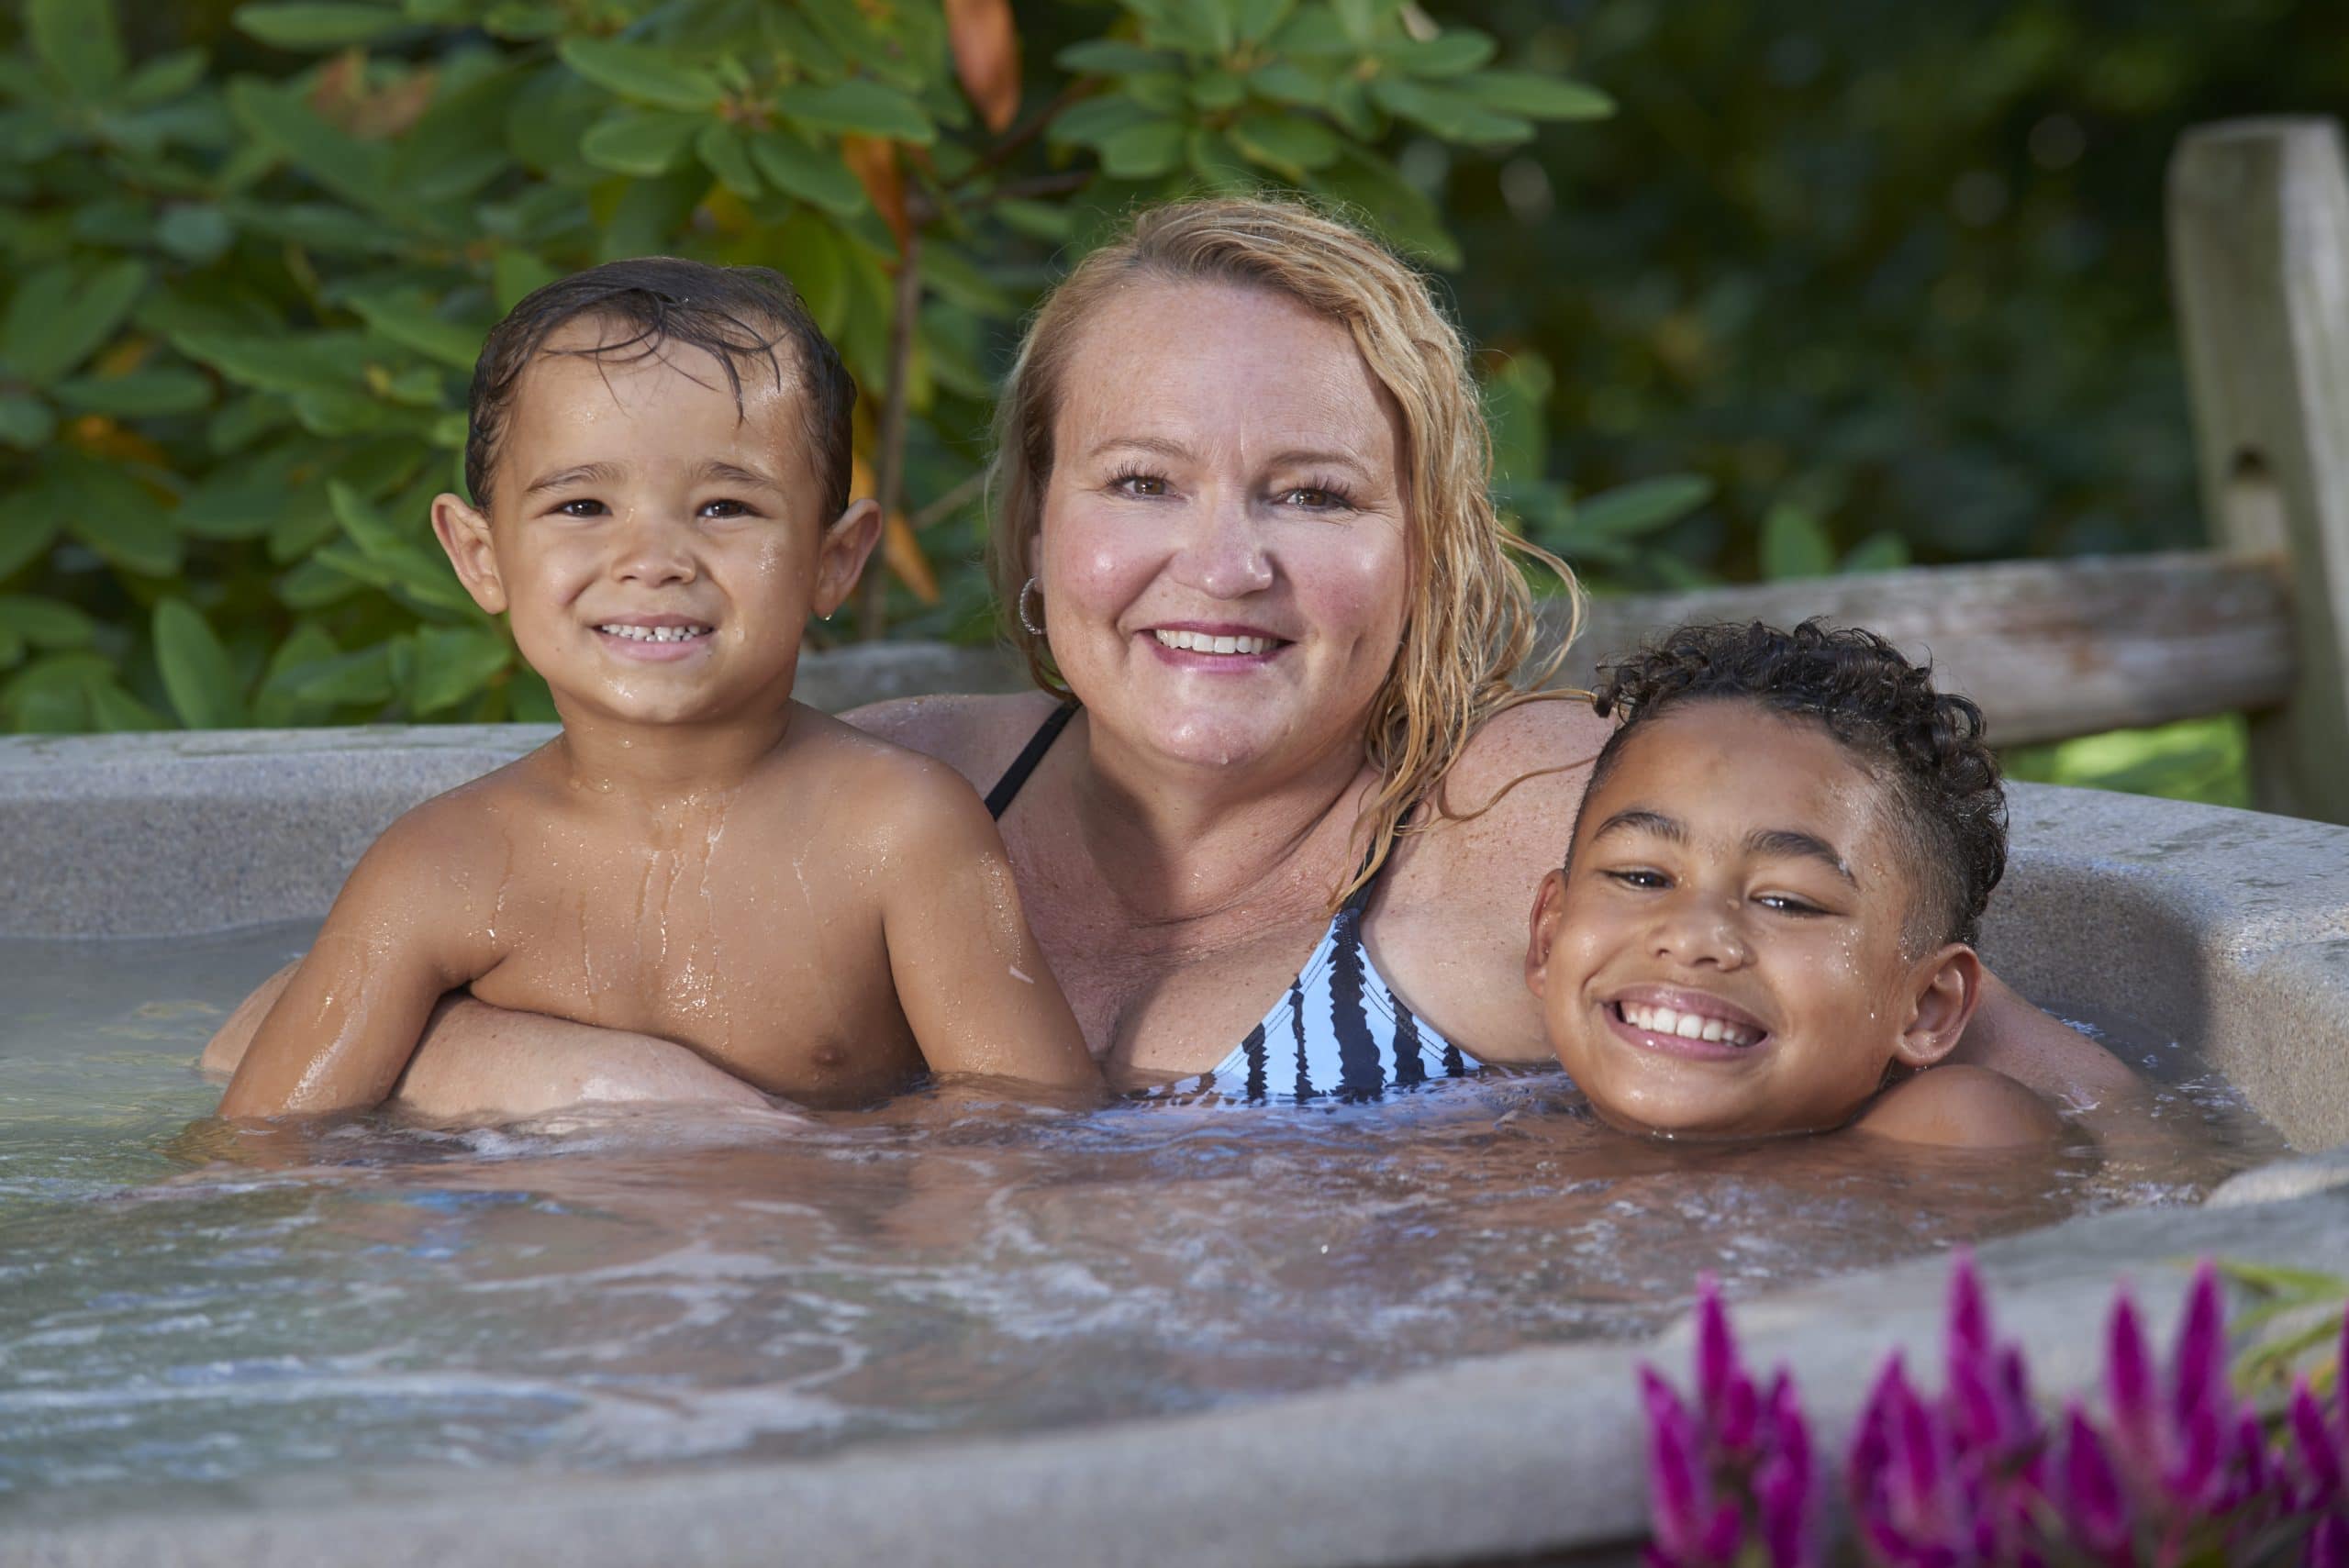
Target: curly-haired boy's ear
1944 989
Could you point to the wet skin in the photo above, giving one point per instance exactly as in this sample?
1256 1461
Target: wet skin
807 910
1740 868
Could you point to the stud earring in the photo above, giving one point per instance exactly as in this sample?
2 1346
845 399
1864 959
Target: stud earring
1026 619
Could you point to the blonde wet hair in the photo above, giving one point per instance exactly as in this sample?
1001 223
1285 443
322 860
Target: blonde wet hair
1471 624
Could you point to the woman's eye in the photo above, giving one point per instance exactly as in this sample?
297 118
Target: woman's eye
1138 484
1315 498
583 508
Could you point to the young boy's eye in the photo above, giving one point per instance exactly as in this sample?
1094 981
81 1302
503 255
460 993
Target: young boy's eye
725 508
582 507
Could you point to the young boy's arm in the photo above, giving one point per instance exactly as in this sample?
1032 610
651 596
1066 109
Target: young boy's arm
343 1030
969 976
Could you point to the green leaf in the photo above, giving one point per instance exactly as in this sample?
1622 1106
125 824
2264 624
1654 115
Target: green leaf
1643 506
859 105
1215 91
1795 544
30 520
1540 98
1452 53
356 171
1884 551
645 75
196 233
453 663
77 39
364 677
410 321
639 142
1450 112
1091 122
25 421
115 711
47 623
141 394
516 273
1143 151
61 313
316 25
796 168
1402 212
52 694
274 705
12 644
1285 81
109 511
163 78
198 675
1110 57
727 154
313 363
1290 144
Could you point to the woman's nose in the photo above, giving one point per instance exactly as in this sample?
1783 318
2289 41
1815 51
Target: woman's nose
1702 930
653 552
1224 558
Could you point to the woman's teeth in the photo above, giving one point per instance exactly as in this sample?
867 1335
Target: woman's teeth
1688 1026
1202 642
653 633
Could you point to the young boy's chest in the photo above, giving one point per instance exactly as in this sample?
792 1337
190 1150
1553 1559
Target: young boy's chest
773 965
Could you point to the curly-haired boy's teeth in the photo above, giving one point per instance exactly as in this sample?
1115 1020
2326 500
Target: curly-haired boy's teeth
654 633
1688 1026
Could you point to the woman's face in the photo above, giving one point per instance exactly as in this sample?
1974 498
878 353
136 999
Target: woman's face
1223 558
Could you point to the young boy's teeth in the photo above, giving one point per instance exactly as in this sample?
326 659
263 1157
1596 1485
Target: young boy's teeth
654 633
1202 642
1688 1026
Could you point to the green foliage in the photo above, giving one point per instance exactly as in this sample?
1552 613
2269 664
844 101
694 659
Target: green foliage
2199 758
252 250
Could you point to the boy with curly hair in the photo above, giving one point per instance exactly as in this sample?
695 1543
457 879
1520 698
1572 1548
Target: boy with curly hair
1764 925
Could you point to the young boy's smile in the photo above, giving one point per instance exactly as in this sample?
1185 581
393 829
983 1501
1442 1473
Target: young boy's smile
1724 952
658 543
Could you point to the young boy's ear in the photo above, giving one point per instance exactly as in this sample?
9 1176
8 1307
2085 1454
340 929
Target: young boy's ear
840 560
1549 908
1946 989
463 532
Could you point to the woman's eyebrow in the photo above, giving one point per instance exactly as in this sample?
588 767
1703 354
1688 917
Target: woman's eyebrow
1782 843
582 474
1158 444
1308 457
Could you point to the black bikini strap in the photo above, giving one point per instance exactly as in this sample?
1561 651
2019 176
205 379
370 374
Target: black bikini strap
999 798
1360 899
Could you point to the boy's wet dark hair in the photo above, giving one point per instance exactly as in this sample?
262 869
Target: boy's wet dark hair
737 314
1923 747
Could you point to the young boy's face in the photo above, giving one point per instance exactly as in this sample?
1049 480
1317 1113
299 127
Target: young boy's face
659 546
1723 956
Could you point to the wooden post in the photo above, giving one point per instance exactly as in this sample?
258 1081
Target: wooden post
2259 259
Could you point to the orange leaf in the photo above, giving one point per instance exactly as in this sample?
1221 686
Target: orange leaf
873 160
987 57
341 97
903 552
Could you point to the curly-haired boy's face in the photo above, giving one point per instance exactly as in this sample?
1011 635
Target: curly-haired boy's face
1723 955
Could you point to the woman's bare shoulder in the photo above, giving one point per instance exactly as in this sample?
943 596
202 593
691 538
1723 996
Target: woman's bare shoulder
976 736
1512 795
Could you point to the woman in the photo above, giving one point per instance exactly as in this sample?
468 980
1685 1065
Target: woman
1286 836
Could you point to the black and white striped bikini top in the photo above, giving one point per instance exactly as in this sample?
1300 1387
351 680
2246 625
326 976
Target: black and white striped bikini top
1339 1034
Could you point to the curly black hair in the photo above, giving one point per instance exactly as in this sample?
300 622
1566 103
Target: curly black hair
1923 747
737 314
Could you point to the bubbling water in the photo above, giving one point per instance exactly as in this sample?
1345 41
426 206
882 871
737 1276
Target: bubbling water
631 1288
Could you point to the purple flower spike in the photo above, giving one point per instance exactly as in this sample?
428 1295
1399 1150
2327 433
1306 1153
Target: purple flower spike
2201 1372
1782 1491
1969 1314
1679 1501
2318 1449
2129 1389
2329 1543
1717 1365
2095 1507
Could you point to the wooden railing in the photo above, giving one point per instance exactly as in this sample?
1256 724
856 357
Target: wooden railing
2259 237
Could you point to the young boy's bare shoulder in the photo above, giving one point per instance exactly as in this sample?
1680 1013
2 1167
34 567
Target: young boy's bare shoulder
1957 1107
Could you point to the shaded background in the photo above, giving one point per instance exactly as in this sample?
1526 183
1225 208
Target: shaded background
1839 286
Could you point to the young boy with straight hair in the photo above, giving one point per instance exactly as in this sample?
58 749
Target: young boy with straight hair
658 458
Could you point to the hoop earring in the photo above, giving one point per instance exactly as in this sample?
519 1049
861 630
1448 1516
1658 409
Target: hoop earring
1027 620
